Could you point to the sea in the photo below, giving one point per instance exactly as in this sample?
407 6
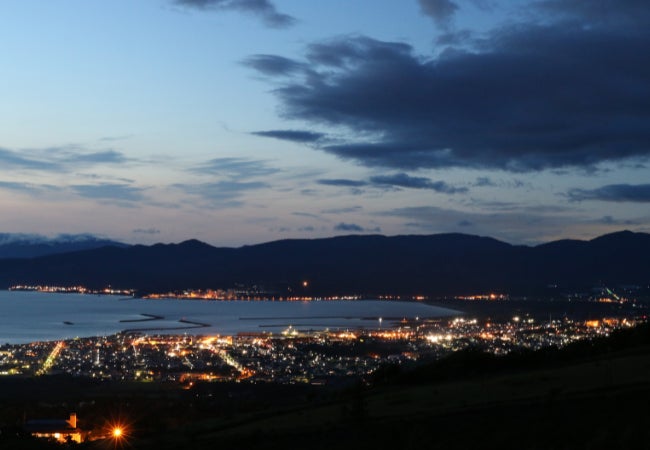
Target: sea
27 316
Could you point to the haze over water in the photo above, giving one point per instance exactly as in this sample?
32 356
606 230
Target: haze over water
34 316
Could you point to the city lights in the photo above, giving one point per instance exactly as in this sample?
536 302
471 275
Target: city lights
292 355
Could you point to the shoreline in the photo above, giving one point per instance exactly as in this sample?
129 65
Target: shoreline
96 316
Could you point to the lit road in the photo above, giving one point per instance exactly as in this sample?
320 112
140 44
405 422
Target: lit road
49 361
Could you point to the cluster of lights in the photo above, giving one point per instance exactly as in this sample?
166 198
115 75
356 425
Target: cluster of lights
71 290
482 297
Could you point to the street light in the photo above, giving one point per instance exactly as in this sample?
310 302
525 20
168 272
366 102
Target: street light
117 432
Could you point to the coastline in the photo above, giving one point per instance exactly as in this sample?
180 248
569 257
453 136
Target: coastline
36 316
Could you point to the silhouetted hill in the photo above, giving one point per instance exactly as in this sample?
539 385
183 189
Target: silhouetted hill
440 264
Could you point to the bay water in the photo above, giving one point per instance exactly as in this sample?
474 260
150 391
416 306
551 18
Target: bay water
27 316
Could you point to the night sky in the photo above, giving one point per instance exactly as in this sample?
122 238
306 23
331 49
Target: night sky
243 121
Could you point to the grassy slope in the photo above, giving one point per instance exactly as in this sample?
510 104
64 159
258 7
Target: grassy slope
601 402
592 395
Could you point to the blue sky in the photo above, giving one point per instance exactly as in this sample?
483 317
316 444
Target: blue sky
244 121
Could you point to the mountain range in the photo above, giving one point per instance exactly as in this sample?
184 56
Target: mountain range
434 265
23 245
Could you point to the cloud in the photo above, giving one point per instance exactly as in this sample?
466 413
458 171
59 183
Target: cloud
348 227
406 181
304 214
484 181
150 231
354 228
81 237
489 182
441 11
530 97
123 194
58 159
103 157
350 209
346 53
398 180
521 226
342 182
639 193
110 191
27 188
116 138
274 65
32 238
221 193
600 13
8 238
453 38
292 135
14 160
610 220
237 168
262 8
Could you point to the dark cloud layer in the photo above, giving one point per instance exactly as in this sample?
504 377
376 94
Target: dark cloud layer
550 94
406 181
274 65
397 180
600 13
639 193
441 11
342 182
262 8
291 135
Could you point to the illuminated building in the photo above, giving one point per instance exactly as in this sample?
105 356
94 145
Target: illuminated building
60 430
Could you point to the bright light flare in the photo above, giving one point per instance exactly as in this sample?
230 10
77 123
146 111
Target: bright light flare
118 433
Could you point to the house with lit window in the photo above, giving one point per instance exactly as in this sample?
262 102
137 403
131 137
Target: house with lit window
61 430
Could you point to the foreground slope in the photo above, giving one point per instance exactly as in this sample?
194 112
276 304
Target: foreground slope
588 396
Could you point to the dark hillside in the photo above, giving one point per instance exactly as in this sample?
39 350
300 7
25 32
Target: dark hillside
436 265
